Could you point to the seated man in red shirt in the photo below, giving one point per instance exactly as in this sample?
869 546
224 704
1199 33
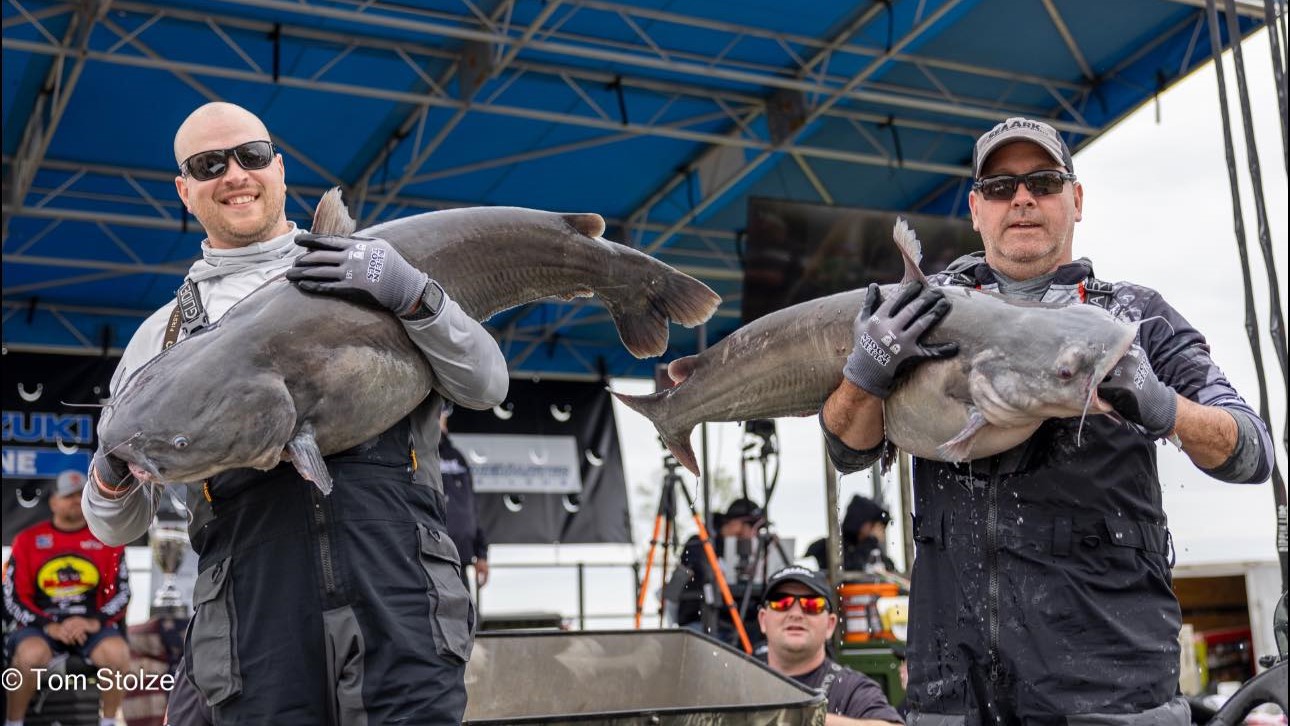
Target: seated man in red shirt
67 593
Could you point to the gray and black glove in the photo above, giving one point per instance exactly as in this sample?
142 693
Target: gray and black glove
888 336
364 270
110 474
1135 393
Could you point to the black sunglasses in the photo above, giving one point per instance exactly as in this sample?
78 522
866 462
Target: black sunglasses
207 165
1040 183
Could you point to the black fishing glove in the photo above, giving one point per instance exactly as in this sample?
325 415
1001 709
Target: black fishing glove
364 270
1135 393
888 336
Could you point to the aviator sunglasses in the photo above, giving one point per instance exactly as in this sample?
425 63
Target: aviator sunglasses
207 165
811 604
1040 183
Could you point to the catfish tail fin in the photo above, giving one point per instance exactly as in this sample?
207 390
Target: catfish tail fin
653 407
668 294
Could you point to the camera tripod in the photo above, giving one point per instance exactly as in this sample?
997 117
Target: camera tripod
762 448
759 569
663 520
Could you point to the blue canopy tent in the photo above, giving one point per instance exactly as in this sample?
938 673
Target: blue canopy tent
664 117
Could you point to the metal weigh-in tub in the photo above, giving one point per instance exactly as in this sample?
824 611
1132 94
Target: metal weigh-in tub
628 677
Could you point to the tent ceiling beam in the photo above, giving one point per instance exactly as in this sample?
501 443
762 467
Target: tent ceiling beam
728 273
1069 40
94 310
535 154
705 69
510 111
345 41
55 93
814 115
468 99
719 96
641 214
78 170
1244 8
34 17
720 102
734 30
210 95
643 211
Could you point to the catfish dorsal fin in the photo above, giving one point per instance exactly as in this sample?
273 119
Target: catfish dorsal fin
591 225
331 217
911 250
308 460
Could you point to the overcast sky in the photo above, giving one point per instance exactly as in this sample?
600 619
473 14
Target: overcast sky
1157 211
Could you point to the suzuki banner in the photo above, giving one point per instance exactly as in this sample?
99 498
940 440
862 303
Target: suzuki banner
51 409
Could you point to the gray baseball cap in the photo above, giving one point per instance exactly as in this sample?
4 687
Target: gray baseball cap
1021 129
69 482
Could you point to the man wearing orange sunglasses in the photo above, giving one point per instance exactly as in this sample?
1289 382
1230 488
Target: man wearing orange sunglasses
797 616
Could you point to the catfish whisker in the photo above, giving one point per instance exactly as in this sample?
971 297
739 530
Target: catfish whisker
123 443
1088 401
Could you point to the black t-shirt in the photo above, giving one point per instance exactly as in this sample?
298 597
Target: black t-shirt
850 694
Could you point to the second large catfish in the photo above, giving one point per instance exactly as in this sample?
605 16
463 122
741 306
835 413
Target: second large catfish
284 374
1019 363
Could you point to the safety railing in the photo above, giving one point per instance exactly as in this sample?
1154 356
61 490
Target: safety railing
525 589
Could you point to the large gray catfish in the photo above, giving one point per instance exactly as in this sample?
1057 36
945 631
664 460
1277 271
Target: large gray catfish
287 375
1019 363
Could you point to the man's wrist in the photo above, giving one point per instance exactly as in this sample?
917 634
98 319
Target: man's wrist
429 303
110 491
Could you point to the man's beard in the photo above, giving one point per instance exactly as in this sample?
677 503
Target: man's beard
230 232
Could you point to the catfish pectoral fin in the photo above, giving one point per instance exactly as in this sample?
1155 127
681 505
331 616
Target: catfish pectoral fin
681 368
960 447
308 460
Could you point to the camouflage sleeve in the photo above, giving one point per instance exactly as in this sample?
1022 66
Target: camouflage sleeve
1180 357
846 459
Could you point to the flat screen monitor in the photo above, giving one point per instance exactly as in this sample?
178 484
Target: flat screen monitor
797 252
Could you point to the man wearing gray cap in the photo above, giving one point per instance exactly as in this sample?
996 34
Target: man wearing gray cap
67 592
1041 584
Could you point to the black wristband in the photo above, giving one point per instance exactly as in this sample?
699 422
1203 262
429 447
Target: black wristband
846 459
1247 456
432 300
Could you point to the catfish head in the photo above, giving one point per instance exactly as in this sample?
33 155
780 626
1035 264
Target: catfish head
1050 367
240 422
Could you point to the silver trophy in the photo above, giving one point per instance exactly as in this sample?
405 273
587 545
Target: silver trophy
169 548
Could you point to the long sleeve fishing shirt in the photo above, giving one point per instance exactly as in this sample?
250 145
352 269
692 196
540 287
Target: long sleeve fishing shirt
469 368
1041 586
